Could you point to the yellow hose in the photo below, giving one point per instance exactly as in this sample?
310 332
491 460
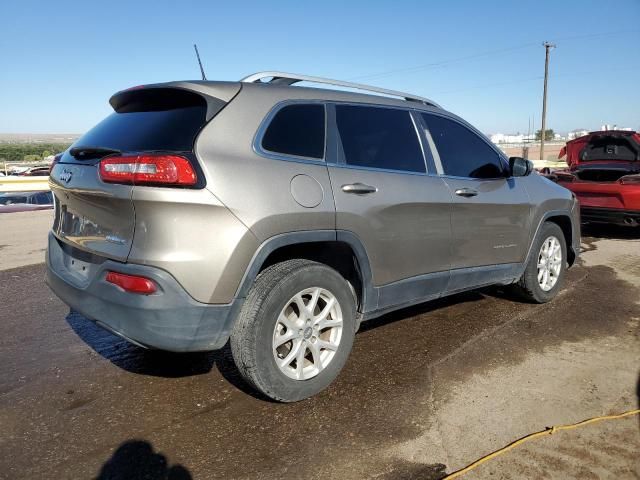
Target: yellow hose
531 436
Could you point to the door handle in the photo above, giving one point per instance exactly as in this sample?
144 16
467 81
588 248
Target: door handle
466 192
358 188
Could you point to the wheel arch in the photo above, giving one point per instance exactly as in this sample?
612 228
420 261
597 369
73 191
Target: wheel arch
561 218
341 250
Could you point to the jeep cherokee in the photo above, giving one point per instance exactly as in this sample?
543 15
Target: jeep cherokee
278 217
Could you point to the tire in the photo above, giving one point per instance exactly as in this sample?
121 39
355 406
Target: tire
529 287
261 326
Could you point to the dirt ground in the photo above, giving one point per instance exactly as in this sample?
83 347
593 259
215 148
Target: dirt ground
426 390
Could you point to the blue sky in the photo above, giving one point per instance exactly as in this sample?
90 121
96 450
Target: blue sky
480 59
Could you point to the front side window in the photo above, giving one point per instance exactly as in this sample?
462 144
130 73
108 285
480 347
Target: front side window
379 138
297 130
462 152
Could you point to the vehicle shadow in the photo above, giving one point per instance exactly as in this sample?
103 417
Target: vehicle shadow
614 232
157 363
164 364
422 309
135 459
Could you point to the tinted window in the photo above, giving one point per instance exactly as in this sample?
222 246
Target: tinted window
297 130
44 198
379 138
462 152
166 120
11 199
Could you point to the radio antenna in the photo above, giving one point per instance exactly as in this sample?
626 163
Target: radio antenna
199 62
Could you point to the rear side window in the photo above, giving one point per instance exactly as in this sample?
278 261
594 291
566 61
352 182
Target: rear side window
153 119
297 130
379 138
462 152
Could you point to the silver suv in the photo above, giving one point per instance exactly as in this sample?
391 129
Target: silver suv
278 217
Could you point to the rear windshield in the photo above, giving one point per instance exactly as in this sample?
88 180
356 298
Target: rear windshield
156 119
611 147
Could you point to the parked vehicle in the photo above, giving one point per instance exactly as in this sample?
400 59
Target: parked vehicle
604 173
25 201
35 172
279 217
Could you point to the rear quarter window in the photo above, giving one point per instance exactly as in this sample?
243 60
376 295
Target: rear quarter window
297 130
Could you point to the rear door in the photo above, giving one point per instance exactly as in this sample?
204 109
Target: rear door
100 217
384 195
491 212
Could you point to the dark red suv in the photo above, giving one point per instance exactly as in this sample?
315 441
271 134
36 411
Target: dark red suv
604 173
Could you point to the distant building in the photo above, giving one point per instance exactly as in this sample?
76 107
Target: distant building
580 132
615 127
511 138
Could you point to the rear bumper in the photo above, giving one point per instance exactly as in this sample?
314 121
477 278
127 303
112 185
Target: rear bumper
611 215
169 319
605 195
607 202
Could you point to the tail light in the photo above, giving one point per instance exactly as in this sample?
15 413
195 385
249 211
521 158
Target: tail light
630 180
56 159
132 283
170 170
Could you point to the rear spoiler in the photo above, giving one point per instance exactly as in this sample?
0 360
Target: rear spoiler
176 94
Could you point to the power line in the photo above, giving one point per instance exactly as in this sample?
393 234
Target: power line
442 62
488 53
529 79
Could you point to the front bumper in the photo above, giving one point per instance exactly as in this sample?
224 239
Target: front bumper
169 319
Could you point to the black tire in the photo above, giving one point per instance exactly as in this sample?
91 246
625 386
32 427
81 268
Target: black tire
252 335
528 286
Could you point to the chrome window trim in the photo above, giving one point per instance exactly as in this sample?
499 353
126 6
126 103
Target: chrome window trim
266 121
434 152
342 163
374 169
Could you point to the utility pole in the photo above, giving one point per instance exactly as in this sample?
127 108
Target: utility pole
547 46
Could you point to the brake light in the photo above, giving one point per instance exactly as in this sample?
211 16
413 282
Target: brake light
630 179
148 169
132 283
56 159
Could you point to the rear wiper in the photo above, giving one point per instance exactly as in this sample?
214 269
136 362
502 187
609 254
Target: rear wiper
86 153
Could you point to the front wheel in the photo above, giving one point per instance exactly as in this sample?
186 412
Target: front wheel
295 330
544 273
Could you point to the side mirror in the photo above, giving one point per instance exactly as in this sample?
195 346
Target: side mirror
520 167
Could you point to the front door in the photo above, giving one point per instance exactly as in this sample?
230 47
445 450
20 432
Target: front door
384 196
491 212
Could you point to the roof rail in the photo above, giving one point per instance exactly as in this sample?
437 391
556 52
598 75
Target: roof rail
282 78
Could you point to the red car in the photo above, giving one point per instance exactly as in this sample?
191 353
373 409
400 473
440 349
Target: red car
604 173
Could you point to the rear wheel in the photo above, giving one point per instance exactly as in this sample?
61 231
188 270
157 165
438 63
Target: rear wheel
295 330
544 273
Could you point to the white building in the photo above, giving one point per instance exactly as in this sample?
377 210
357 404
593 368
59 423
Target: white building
614 127
511 138
580 132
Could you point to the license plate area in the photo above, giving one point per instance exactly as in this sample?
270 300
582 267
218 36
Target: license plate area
77 268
